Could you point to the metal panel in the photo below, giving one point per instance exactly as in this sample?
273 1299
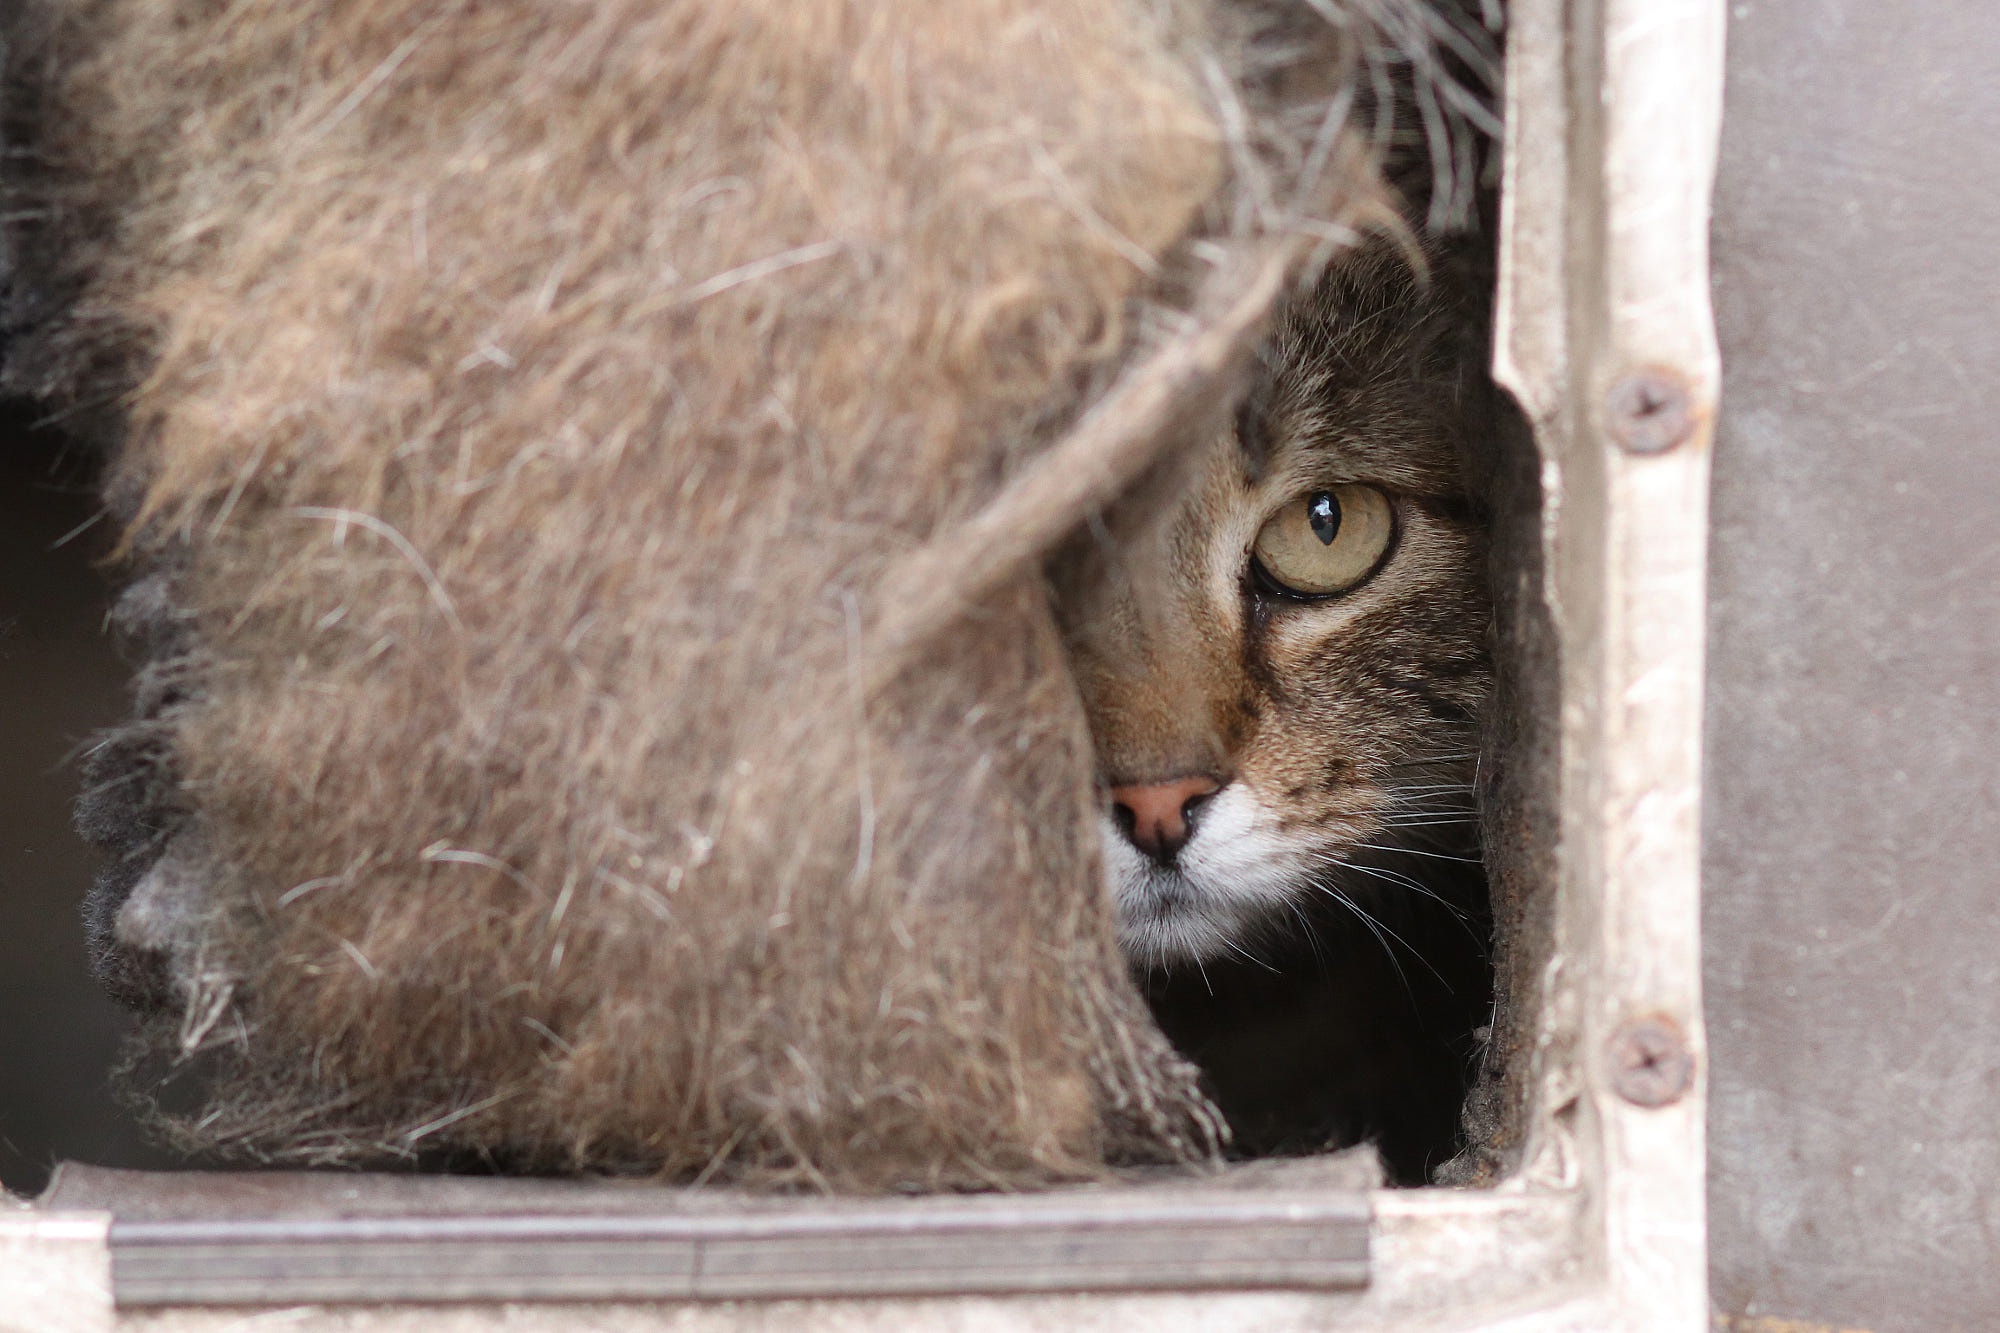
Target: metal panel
1853 827
813 1250
200 1239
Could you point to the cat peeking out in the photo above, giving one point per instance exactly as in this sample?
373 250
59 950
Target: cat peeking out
1285 665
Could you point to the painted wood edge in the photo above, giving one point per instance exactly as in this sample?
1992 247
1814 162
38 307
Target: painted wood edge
55 1274
1660 132
1604 334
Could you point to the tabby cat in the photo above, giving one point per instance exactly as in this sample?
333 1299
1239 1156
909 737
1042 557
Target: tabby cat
1285 667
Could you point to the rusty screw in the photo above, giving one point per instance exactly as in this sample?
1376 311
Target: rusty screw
1650 1061
1648 411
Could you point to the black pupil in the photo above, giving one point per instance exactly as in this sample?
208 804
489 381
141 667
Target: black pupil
1324 515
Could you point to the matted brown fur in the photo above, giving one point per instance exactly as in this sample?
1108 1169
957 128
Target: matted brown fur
534 398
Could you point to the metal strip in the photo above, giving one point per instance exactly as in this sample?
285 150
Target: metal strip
810 1249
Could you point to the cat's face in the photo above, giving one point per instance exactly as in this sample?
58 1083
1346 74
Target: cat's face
1285 663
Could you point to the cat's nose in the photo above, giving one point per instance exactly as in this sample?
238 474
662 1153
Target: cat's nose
1159 817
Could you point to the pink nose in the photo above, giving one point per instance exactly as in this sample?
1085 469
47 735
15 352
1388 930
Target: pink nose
1159 817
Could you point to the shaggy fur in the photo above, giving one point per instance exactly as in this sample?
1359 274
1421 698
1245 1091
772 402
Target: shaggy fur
524 407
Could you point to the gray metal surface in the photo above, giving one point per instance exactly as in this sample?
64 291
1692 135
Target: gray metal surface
887 1250
1853 812
280 1238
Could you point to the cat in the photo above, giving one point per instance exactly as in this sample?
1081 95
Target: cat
1285 666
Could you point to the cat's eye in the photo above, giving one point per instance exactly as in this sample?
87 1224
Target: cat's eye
1326 542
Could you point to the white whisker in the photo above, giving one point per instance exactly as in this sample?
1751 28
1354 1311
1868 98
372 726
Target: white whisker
1458 913
1379 929
1412 851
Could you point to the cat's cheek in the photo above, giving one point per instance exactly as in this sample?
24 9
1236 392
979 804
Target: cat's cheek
1239 862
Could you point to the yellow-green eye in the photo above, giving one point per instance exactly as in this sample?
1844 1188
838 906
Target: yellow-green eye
1326 542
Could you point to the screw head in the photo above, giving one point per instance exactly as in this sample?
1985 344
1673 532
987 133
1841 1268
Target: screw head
1651 1065
1649 410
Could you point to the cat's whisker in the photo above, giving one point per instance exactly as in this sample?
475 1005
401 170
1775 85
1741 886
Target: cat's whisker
1330 859
1310 932
1412 851
1377 932
1380 929
1458 914
1434 759
1249 957
1425 819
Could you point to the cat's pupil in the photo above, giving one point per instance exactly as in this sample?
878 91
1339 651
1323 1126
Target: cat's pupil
1324 515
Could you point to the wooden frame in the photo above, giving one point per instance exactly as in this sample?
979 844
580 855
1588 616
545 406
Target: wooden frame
1604 336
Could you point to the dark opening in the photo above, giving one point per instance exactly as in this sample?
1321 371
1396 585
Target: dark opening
60 680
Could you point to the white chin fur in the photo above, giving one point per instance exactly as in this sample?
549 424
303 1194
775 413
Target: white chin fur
1233 874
